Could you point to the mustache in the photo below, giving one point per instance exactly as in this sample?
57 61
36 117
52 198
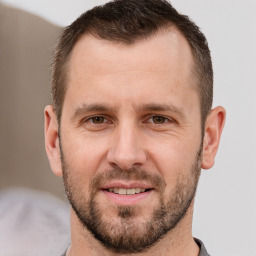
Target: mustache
131 174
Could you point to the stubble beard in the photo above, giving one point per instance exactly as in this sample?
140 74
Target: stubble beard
123 234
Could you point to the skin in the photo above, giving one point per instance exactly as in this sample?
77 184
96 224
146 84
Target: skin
132 83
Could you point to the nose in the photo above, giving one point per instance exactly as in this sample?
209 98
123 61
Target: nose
126 149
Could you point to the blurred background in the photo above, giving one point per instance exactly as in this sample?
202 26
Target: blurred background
225 210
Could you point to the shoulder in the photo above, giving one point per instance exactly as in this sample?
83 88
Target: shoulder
203 251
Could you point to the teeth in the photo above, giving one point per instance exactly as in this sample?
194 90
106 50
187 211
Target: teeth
129 191
137 190
122 191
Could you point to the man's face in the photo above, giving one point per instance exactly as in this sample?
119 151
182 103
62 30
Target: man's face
131 138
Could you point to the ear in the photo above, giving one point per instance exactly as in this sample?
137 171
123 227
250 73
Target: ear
52 140
213 128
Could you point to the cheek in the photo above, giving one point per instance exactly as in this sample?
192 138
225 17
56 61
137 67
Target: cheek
84 155
174 158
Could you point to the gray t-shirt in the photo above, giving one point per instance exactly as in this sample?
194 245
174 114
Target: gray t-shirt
203 251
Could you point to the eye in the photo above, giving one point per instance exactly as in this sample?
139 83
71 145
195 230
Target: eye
96 123
158 119
97 120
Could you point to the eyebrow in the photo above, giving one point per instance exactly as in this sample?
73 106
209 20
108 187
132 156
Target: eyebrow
85 108
160 107
98 107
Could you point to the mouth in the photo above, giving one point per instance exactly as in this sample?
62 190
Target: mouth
122 193
127 191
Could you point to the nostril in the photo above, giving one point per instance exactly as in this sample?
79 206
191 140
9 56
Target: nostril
126 153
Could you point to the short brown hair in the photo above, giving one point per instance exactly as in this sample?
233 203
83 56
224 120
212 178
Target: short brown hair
128 21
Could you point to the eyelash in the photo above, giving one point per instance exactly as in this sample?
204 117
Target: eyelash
90 120
162 118
105 120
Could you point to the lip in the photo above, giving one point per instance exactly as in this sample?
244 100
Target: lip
126 200
126 185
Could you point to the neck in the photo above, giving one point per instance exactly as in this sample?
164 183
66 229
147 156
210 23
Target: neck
177 242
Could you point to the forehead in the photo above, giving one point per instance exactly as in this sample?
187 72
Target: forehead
162 63
166 49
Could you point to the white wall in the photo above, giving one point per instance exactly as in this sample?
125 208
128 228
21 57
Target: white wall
225 211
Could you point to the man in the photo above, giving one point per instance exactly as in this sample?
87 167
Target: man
131 127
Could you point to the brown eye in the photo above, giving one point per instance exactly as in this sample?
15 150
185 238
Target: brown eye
98 120
158 119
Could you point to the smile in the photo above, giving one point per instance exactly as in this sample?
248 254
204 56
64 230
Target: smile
128 191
